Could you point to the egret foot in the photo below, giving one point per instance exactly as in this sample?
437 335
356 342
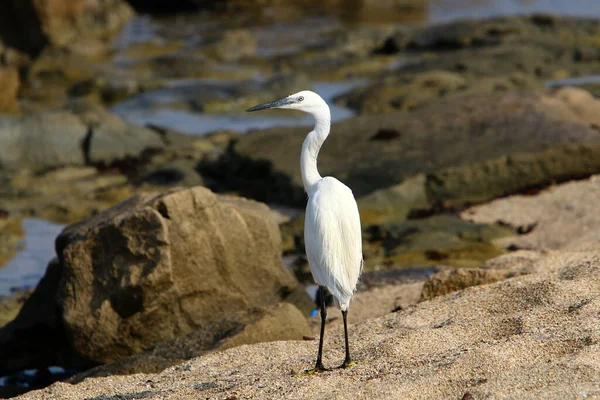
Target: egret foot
347 363
317 369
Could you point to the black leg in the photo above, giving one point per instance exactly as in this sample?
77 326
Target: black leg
347 360
319 365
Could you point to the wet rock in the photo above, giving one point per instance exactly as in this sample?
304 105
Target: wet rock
452 280
235 45
82 25
114 142
9 87
42 140
64 195
488 157
490 55
151 269
416 91
246 95
440 239
179 172
412 91
11 234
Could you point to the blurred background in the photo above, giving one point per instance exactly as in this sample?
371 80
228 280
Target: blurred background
437 105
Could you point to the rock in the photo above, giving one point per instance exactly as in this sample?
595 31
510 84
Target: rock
531 336
114 141
283 322
42 140
81 25
36 338
573 104
125 306
430 241
388 96
151 269
9 88
559 216
93 136
235 45
452 280
488 55
64 195
11 305
246 95
488 157
11 235
180 172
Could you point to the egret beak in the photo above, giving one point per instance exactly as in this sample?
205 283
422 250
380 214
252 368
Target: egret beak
273 104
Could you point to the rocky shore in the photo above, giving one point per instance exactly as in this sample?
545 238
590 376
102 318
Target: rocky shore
471 146
531 336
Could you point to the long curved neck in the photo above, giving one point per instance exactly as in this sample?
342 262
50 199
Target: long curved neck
310 150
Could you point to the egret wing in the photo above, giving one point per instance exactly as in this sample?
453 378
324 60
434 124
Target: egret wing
332 236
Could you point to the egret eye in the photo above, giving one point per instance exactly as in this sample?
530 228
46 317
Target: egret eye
300 98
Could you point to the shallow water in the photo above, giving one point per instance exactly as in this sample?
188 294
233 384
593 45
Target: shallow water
28 266
153 108
447 10
276 34
576 81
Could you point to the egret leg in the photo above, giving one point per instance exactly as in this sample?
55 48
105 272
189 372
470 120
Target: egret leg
319 366
347 361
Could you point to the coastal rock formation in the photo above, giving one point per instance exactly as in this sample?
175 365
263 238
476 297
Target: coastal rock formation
489 157
152 269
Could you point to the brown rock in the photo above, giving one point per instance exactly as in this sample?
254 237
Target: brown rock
9 88
451 280
562 215
154 268
283 322
157 267
30 25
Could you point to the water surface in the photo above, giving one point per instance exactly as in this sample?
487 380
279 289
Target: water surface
28 266
154 108
447 10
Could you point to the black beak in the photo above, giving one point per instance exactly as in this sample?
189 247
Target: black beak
273 104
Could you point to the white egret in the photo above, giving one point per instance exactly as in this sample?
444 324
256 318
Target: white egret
332 233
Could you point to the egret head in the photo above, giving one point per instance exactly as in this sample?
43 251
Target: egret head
305 100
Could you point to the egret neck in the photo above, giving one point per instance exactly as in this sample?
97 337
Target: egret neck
310 150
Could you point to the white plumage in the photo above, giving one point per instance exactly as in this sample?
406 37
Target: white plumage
333 239
332 233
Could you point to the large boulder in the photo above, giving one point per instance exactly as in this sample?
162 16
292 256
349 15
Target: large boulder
151 269
83 25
